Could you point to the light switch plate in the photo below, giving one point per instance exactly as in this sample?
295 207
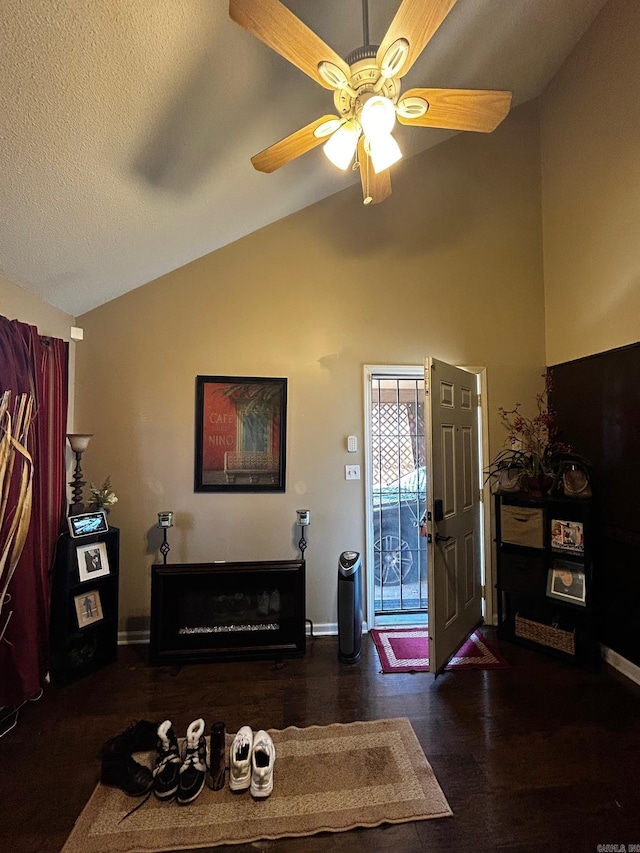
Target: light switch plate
352 472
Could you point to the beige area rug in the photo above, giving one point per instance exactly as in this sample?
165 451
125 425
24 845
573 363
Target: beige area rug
326 779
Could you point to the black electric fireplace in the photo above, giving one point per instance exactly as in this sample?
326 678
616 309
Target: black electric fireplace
227 611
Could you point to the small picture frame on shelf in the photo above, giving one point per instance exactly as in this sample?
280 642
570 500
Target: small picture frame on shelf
567 536
88 608
566 582
92 561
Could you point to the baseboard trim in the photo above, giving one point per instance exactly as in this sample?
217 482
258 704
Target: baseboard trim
622 665
132 638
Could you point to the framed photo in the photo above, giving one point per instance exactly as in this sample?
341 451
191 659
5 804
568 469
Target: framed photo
87 523
92 561
567 536
240 435
566 582
88 608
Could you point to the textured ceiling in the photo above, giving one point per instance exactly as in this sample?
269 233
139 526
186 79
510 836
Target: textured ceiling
127 126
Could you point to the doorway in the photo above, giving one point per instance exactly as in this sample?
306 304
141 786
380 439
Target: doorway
397 556
396 491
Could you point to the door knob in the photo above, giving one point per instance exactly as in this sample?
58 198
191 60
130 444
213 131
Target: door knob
440 538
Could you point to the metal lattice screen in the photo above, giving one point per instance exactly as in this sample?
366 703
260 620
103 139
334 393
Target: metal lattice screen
398 493
397 428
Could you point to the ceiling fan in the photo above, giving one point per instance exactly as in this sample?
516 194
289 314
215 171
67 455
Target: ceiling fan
367 89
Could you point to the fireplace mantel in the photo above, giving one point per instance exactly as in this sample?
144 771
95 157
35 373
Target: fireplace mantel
204 612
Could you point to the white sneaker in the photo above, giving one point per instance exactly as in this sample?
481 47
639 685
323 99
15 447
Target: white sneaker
263 757
240 760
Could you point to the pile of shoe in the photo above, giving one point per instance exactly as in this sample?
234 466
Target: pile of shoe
182 773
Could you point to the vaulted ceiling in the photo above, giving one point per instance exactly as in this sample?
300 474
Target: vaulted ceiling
127 127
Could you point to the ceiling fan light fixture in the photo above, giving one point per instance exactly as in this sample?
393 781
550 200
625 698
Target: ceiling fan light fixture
341 145
384 152
377 117
394 58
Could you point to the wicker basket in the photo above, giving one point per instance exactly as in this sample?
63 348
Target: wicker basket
546 635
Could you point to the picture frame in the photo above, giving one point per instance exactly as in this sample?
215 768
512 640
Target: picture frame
240 434
93 561
88 608
566 582
567 536
87 524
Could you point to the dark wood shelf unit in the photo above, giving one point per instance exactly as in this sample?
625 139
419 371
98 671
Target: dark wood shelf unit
75 651
526 553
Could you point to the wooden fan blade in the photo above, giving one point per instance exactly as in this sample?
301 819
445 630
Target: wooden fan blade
283 32
283 152
460 109
377 187
416 21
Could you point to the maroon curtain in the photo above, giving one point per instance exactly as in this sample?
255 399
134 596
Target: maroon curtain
33 364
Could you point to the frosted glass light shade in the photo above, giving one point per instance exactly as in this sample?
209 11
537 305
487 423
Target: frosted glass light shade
378 117
384 152
341 145
79 441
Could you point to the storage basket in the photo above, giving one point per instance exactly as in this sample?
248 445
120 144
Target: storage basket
546 635
522 525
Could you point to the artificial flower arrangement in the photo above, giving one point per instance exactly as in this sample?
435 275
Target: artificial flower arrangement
534 458
102 497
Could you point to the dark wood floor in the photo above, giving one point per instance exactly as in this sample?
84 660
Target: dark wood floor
537 757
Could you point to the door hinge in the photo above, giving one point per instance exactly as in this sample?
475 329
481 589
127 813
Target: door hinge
480 399
481 496
484 591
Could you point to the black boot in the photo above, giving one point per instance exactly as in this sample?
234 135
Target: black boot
168 762
217 757
119 768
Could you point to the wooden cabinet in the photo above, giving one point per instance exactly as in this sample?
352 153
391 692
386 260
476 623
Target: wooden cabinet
84 605
546 580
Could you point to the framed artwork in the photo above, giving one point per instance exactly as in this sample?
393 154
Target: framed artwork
566 582
567 536
92 561
88 608
240 435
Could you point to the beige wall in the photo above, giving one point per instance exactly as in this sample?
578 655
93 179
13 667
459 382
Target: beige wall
449 266
18 304
590 134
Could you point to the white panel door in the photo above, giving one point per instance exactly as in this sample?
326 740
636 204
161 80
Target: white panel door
453 509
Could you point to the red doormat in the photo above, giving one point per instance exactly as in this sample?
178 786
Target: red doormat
407 650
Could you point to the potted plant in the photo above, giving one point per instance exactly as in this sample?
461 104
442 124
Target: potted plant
534 459
102 497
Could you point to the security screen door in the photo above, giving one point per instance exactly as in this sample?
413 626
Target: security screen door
453 509
397 496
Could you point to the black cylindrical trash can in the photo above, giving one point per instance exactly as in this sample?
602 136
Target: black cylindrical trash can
349 607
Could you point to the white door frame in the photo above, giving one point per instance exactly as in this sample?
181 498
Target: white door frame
413 370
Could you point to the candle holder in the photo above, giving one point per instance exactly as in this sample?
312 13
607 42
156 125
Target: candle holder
303 520
78 443
165 521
